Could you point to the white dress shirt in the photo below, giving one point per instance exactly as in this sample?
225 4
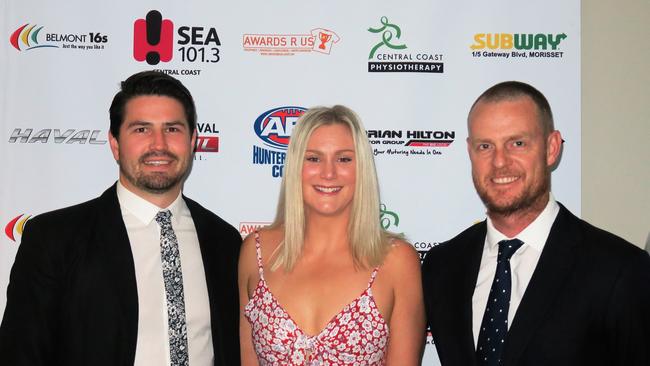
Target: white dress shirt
522 263
144 235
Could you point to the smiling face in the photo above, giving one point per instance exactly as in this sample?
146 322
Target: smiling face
154 149
329 171
511 157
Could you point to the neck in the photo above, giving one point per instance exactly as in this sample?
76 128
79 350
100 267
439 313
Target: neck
162 199
326 234
512 224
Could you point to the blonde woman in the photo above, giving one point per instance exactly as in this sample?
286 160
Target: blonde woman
325 284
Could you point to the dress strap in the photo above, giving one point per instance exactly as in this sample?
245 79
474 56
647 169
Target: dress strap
258 249
372 277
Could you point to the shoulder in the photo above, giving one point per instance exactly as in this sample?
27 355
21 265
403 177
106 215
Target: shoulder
402 260
450 250
71 217
210 221
269 238
596 242
401 252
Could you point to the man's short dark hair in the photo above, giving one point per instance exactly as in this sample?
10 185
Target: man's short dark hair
151 83
511 90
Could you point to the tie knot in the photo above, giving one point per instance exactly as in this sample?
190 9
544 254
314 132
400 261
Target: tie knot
508 247
163 217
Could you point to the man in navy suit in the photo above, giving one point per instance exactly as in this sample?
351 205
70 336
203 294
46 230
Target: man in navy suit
532 284
141 275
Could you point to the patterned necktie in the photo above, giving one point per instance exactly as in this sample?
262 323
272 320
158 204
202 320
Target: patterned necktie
494 326
173 276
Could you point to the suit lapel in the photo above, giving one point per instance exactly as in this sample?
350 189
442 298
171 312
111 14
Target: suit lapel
464 266
208 243
555 264
475 252
111 235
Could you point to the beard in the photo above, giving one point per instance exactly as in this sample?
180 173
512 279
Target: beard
155 182
531 198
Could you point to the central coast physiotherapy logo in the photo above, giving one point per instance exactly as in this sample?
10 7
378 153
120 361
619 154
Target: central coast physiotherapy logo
28 37
319 40
16 226
389 55
389 220
519 45
153 42
273 128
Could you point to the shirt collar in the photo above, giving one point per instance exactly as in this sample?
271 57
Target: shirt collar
142 209
535 234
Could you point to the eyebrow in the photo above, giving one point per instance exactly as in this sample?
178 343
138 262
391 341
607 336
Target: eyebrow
337 151
146 123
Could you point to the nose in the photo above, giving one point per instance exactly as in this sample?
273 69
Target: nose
158 140
500 158
328 170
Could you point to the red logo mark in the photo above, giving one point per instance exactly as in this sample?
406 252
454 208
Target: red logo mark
153 38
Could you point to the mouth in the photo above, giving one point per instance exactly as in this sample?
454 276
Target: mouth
324 189
157 159
504 180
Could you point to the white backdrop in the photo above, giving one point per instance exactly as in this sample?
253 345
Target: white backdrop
265 61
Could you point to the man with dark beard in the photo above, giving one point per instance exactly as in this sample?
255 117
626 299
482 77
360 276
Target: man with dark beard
140 275
533 284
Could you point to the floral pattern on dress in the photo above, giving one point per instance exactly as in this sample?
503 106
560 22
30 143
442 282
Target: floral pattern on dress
356 336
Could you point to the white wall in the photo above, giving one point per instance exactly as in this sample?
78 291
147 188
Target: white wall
615 117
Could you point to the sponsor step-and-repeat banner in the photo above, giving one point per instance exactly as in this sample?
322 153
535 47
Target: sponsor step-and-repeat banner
410 70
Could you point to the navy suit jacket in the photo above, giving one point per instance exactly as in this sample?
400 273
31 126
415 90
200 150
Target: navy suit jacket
72 297
587 303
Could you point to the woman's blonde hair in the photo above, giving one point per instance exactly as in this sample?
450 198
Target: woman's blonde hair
369 242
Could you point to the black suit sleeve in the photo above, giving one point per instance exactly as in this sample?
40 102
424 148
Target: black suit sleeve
628 317
30 318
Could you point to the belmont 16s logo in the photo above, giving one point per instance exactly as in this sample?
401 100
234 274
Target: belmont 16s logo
274 128
34 36
153 42
16 226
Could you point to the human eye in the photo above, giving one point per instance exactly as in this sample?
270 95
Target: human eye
345 159
483 146
312 158
140 129
518 143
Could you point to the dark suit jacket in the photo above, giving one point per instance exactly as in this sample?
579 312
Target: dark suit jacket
72 297
587 303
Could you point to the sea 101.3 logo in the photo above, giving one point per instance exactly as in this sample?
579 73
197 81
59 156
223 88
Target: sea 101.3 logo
28 37
273 128
153 41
